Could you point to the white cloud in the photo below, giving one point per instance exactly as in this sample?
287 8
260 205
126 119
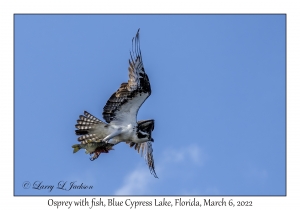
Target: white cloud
191 153
136 183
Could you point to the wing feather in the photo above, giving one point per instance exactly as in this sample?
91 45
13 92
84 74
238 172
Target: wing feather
145 149
124 104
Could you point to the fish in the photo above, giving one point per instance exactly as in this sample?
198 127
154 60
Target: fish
93 148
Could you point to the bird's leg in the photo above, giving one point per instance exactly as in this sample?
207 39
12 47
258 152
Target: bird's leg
112 135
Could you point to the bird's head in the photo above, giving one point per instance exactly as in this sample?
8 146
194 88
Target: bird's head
144 129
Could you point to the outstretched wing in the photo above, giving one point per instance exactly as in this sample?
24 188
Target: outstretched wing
146 150
124 104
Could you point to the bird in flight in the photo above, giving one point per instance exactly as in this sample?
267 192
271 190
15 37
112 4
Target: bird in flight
120 115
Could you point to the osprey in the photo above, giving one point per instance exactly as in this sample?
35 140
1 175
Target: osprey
120 113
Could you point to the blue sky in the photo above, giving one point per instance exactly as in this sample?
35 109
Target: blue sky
218 100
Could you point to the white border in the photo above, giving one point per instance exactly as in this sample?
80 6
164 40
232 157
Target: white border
8 8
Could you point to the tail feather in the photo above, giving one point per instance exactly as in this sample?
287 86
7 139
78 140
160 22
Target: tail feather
85 126
81 132
90 118
89 137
